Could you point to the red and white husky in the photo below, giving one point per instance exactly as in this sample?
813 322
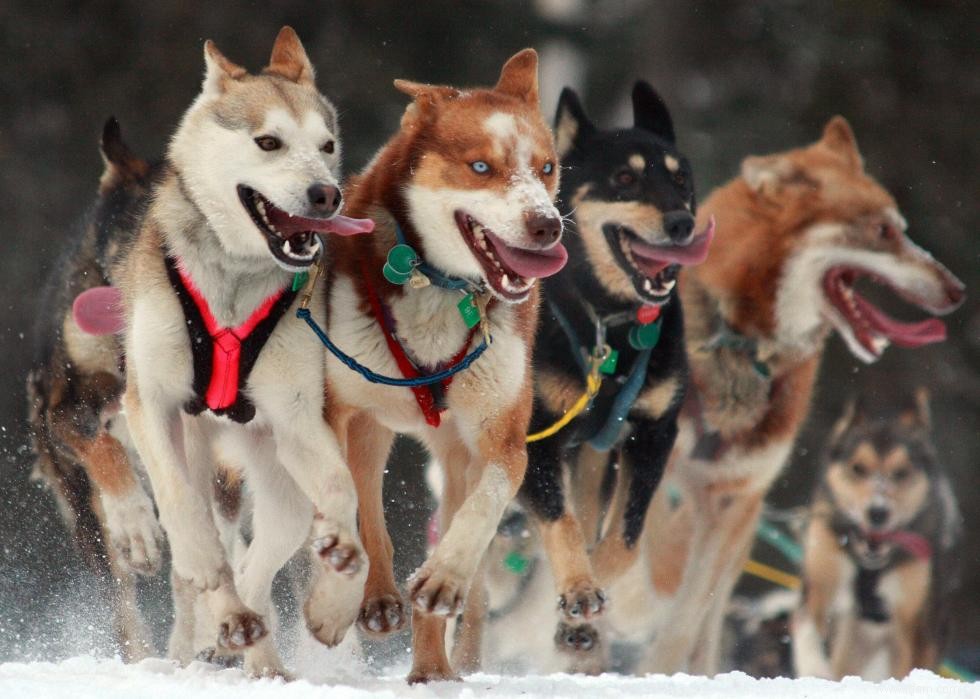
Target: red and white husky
468 181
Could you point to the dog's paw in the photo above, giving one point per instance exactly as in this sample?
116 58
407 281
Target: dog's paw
332 606
432 674
382 614
576 639
582 600
133 530
262 661
337 548
434 589
213 656
239 630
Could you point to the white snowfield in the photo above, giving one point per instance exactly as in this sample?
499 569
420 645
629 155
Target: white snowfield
91 678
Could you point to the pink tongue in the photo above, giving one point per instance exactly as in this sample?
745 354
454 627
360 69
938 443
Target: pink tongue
341 225
99 311
925 332
530 264
653 258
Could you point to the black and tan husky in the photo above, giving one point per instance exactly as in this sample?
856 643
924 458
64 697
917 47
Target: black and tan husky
878 563
612 313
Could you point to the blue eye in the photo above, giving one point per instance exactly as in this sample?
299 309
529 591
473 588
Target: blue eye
480 167
548 168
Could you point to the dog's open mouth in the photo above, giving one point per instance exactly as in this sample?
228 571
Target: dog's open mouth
871 327
510 271
652 268
294 240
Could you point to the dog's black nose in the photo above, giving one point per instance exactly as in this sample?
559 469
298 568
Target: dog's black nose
324 198
543 229
878 515
679 225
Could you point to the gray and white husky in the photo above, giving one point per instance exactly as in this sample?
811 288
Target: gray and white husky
219 368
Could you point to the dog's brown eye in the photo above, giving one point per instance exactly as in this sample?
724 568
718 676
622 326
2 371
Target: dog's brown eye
328 147
887 231
625 178
679 179
268 143
901 475
859 470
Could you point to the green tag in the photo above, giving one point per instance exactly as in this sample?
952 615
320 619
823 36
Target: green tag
609 366
761 368
645 336
468 309
394 276
402 258
516 563
299 280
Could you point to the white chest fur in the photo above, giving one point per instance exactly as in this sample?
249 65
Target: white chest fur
432 332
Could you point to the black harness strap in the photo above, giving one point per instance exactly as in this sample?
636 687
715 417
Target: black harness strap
202 348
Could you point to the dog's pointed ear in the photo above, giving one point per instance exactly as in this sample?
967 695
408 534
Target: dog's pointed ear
425 98
219 71
852 416
650 112
289 59
519 76
765 174
571 123
918 414
839 137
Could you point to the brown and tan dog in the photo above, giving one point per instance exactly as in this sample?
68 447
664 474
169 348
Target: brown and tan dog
795 232
469 181
73 393
878 562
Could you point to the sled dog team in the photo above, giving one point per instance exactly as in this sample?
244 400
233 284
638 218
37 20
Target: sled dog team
578 341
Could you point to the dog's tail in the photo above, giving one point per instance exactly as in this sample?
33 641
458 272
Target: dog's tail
122 166
65 477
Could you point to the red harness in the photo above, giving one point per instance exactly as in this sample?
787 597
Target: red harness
222 365
226 357
423 394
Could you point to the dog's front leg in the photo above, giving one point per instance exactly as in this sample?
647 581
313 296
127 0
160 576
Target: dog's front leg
368 445
579 596
178 464
439 586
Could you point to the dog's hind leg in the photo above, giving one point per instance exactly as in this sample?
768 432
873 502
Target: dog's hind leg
644 458
281 521
180 467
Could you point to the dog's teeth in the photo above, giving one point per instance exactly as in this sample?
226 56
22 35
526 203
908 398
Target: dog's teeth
260 205
880 343
647 286
668 285
287 248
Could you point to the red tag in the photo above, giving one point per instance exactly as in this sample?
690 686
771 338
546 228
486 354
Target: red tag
647 314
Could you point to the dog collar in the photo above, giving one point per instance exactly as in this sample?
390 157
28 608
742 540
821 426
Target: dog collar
223 357
405 266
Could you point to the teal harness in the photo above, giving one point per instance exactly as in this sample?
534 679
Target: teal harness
607 435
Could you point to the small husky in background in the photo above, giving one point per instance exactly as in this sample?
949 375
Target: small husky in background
878 564
218 363
74 389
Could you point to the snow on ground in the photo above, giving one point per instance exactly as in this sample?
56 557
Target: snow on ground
86 677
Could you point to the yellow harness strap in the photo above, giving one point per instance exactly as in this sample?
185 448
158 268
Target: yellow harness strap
593 381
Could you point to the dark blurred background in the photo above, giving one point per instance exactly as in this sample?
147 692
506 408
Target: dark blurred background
741 77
